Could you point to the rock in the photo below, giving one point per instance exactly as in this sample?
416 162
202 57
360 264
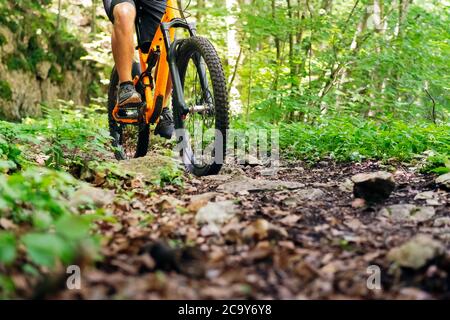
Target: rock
243 183
430 197
346 186
148 168
218 178
358 203
408 212
444 181
425 195
200 200
252 161
88 195
9 46
442 222
42 69
373 187
290 220
309 194
262 229
413 294
416 252
216 213
167 202
209 230
433 202
7 224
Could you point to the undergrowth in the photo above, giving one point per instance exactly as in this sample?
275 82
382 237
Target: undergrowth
43 164
350 139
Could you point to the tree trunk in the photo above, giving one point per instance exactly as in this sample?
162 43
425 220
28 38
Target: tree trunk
278 50
58 19
94 17
200 7
234 51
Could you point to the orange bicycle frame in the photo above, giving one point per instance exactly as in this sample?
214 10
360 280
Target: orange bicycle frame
156 99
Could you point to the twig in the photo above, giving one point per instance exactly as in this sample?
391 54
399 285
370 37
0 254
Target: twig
235 71
433 110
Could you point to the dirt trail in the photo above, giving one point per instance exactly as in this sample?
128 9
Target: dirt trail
296 234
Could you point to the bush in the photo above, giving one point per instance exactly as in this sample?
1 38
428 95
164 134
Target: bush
345 139
5 90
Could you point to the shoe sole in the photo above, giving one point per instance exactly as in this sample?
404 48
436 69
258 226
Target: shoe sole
134 99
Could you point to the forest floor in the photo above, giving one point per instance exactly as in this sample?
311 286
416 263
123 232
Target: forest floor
296 234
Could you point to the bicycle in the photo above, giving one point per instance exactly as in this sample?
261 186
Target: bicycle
189 72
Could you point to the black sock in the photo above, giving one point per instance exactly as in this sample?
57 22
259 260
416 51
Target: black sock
126 83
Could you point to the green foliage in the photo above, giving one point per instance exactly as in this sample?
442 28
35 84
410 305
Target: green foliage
438 163
169 175
49 228
2 40
34 27
303 61
17 61
7 247
5 90
66 137
10 156
354 139
35 196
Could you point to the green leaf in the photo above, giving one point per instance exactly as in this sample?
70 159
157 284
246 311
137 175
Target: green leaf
44 249
7 247
73 227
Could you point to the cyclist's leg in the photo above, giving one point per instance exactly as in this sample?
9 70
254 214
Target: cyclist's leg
123 14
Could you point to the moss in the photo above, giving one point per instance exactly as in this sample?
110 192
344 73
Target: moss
5 90
35 53
16 61
55 76
2 40
94 89
66 49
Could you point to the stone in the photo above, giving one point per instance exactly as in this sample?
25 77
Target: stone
167 202
252 161
414 294
416 253
442 222
408 212
216 213
9 46
373 187
346 185
42 69
425 195
444 181
309 194
243 183
88 195
358 203
148 168
200 200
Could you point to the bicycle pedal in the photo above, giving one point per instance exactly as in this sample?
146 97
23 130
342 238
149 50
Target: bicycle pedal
131 113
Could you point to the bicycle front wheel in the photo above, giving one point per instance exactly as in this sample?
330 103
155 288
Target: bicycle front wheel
202 133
